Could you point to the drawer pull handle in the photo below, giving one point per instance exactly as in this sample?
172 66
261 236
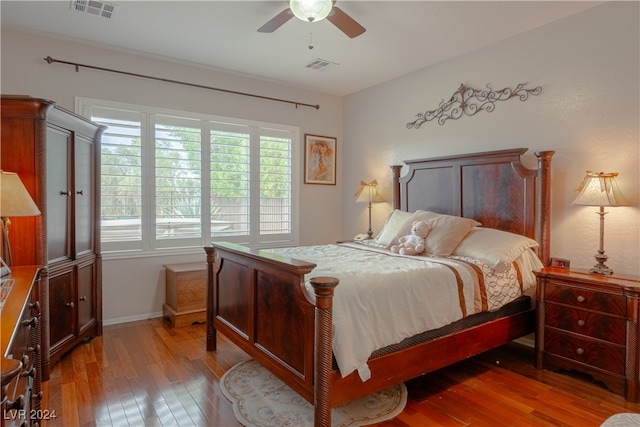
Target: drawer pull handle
83 298
33 322
580 350
581 298
16 404
581 322
65 193
30 373
70 304
80 192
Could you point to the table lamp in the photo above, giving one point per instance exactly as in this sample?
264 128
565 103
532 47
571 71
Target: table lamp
600 189
14 201
368 193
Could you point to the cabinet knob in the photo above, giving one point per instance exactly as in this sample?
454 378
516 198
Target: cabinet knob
70 304
33 322
16 404
581 298
580 350
581 322
65 193
30 373
80 192
83 298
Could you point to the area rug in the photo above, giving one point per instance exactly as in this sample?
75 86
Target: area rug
260 399
626 419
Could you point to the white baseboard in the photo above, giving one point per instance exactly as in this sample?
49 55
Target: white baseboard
128 319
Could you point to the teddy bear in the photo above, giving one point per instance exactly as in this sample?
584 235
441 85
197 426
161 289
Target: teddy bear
414 243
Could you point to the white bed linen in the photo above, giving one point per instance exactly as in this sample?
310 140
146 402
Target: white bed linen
383 298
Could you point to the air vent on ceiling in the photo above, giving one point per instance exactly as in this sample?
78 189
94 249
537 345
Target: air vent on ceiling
321 64
94 7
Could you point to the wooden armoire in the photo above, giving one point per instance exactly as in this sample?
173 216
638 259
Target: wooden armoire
56 153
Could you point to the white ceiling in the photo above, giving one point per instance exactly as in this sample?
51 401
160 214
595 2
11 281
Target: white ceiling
401 36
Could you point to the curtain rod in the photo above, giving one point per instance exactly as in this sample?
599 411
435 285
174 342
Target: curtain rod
75 64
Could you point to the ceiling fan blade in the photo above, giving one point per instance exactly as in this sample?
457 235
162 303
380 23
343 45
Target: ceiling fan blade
276 22
345 23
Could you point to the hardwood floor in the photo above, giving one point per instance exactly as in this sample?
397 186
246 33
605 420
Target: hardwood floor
148 374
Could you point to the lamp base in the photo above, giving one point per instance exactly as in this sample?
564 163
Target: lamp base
601 268
604 271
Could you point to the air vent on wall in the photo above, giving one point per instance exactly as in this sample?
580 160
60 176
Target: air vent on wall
321 64
94 7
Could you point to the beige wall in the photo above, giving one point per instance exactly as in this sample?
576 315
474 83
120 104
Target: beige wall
588 66
133 288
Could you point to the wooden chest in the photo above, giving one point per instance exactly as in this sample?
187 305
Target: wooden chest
185 302
590 323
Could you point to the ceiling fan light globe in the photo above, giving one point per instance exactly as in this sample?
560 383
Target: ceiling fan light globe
311 10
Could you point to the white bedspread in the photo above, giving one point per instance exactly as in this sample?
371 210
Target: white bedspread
383 298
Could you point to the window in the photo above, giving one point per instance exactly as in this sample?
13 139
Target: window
173 180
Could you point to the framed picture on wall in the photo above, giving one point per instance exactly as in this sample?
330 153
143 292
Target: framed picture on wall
319 159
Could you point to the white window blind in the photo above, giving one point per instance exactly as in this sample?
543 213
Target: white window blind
178 170
121 176
275 184
230 180
160 192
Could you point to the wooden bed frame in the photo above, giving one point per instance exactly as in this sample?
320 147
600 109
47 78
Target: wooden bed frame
256 298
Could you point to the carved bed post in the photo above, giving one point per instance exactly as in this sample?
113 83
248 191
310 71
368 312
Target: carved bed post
544 204
396 186
211 298
323 288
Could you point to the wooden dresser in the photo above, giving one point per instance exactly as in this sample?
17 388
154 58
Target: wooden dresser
56 153
590 323
21 347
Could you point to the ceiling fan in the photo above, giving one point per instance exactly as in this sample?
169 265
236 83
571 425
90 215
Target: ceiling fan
313 11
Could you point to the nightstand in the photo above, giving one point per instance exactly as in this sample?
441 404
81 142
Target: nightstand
591 324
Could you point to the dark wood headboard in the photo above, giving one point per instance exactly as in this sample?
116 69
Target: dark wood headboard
492 187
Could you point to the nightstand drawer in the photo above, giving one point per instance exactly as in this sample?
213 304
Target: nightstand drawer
608 357
606 328
585 298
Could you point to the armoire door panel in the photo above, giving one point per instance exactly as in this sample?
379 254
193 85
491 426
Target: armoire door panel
84 195
58 195
86 297
62 308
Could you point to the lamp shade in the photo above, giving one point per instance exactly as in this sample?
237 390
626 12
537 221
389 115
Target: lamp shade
14 197
311 10
600 189
368 193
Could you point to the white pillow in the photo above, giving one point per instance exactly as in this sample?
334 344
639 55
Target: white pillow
496 248
446 231
392 227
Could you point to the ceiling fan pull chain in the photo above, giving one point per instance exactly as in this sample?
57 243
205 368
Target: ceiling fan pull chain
310 41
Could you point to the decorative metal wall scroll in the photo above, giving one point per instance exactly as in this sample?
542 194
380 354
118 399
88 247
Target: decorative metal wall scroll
469 101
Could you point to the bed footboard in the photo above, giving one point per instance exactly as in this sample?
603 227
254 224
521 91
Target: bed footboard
258 300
